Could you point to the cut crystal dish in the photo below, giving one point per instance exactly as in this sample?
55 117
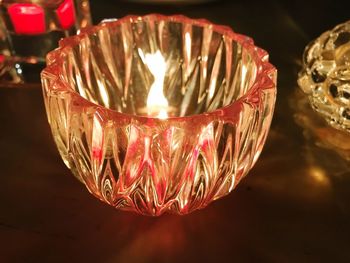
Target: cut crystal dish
159 113
325 76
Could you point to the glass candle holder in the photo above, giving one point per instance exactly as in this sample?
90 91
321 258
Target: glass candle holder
318 133
325 76
33 28
159 113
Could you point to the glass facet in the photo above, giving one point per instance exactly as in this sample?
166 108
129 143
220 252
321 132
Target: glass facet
159 113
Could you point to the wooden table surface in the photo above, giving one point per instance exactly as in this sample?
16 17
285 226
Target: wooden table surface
294 206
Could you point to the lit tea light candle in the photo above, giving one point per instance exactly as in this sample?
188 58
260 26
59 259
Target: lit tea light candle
157 104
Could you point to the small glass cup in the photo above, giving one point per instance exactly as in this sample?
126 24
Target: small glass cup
30 29
325 76
159 113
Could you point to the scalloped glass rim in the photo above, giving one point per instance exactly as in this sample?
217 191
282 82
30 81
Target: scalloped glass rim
265 78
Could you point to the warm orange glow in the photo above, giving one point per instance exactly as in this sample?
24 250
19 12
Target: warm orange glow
319 175
156 101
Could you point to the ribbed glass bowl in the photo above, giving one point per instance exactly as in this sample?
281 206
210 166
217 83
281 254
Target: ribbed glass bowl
159 113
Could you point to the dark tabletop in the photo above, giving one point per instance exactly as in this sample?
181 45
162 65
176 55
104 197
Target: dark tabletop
294 206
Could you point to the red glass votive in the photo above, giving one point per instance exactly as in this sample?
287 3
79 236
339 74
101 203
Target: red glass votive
66 14
34 28
28 19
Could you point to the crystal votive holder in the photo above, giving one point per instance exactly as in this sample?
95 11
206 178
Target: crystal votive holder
325 76
322 139
159 113
32 28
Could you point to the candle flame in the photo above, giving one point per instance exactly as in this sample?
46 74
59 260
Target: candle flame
156 101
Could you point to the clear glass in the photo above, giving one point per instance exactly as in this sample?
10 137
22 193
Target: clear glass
159 113
319 134
29 29
325 76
